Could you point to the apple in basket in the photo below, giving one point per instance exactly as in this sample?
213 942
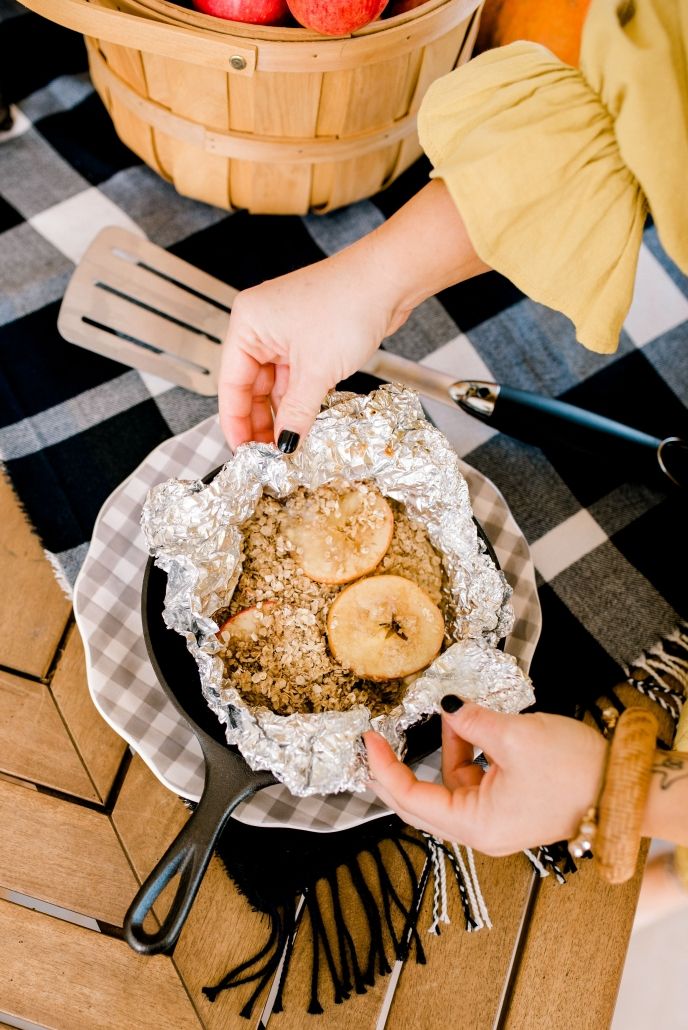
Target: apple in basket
336 17
257 12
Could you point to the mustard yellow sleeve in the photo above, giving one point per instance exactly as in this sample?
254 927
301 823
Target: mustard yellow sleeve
634 54
528 152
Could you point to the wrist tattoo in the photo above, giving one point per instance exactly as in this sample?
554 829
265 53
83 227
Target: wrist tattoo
670 768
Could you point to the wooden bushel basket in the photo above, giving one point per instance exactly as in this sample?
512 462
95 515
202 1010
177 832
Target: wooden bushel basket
274 120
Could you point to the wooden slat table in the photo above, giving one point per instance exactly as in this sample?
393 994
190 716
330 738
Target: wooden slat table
83 822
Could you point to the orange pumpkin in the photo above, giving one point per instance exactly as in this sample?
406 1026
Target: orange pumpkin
557 24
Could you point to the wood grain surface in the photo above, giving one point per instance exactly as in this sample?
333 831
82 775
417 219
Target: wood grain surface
33 608
61 976
63 853
35 743
200 94
466 972
570 967
100 748
128 64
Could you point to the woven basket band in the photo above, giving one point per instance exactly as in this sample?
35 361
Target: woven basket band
239 145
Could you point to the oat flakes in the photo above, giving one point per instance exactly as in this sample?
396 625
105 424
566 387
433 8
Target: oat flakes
282 661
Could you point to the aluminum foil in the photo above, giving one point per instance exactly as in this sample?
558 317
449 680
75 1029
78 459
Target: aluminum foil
194 532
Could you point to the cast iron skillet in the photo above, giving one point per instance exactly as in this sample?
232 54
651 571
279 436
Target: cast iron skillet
228 778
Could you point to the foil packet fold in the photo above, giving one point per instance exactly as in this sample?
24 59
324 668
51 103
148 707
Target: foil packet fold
193 529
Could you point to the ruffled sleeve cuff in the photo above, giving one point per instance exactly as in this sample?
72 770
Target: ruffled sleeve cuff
528 153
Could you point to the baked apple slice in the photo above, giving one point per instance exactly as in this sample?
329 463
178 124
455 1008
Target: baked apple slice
384 627
245 624
345 541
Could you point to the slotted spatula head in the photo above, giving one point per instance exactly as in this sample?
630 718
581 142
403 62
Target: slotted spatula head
133 302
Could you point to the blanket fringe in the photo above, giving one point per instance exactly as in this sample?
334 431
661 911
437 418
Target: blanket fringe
661 673
554 859
351 964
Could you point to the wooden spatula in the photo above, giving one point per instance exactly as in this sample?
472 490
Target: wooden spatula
132 301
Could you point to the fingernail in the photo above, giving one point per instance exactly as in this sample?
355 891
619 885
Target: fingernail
288 441
451 703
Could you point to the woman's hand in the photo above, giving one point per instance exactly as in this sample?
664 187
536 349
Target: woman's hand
292 339
544 773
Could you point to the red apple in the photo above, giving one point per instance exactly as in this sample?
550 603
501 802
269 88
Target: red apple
257 12
336 17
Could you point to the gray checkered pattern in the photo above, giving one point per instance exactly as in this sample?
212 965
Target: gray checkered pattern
122 681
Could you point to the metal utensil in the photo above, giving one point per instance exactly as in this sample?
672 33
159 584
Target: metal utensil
135 303
545 420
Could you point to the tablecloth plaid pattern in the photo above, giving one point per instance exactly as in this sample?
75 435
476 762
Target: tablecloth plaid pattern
608 551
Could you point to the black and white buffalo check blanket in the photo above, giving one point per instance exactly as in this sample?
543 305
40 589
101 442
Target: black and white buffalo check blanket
609 553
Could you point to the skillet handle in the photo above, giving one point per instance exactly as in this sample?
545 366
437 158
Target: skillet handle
226 785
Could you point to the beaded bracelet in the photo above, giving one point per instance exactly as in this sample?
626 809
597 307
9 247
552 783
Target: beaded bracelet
581 846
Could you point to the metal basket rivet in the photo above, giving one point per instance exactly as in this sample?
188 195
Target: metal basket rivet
237 62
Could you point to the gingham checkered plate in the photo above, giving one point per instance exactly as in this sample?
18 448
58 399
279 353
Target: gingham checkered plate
123 685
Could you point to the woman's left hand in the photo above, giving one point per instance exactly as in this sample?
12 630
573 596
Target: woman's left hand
544 773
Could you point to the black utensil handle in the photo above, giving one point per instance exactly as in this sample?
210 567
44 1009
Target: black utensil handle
547 422
556 421
188 857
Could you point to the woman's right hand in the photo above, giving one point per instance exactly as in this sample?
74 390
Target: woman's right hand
292 339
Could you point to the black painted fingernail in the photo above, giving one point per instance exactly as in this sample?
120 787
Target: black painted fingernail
288 441
451 703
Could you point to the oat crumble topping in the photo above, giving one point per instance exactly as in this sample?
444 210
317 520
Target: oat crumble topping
277 655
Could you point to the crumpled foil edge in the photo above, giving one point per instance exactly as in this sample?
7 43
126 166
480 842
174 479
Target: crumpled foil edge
193 531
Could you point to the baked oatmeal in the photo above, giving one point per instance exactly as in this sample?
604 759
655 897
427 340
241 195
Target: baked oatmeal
274 631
